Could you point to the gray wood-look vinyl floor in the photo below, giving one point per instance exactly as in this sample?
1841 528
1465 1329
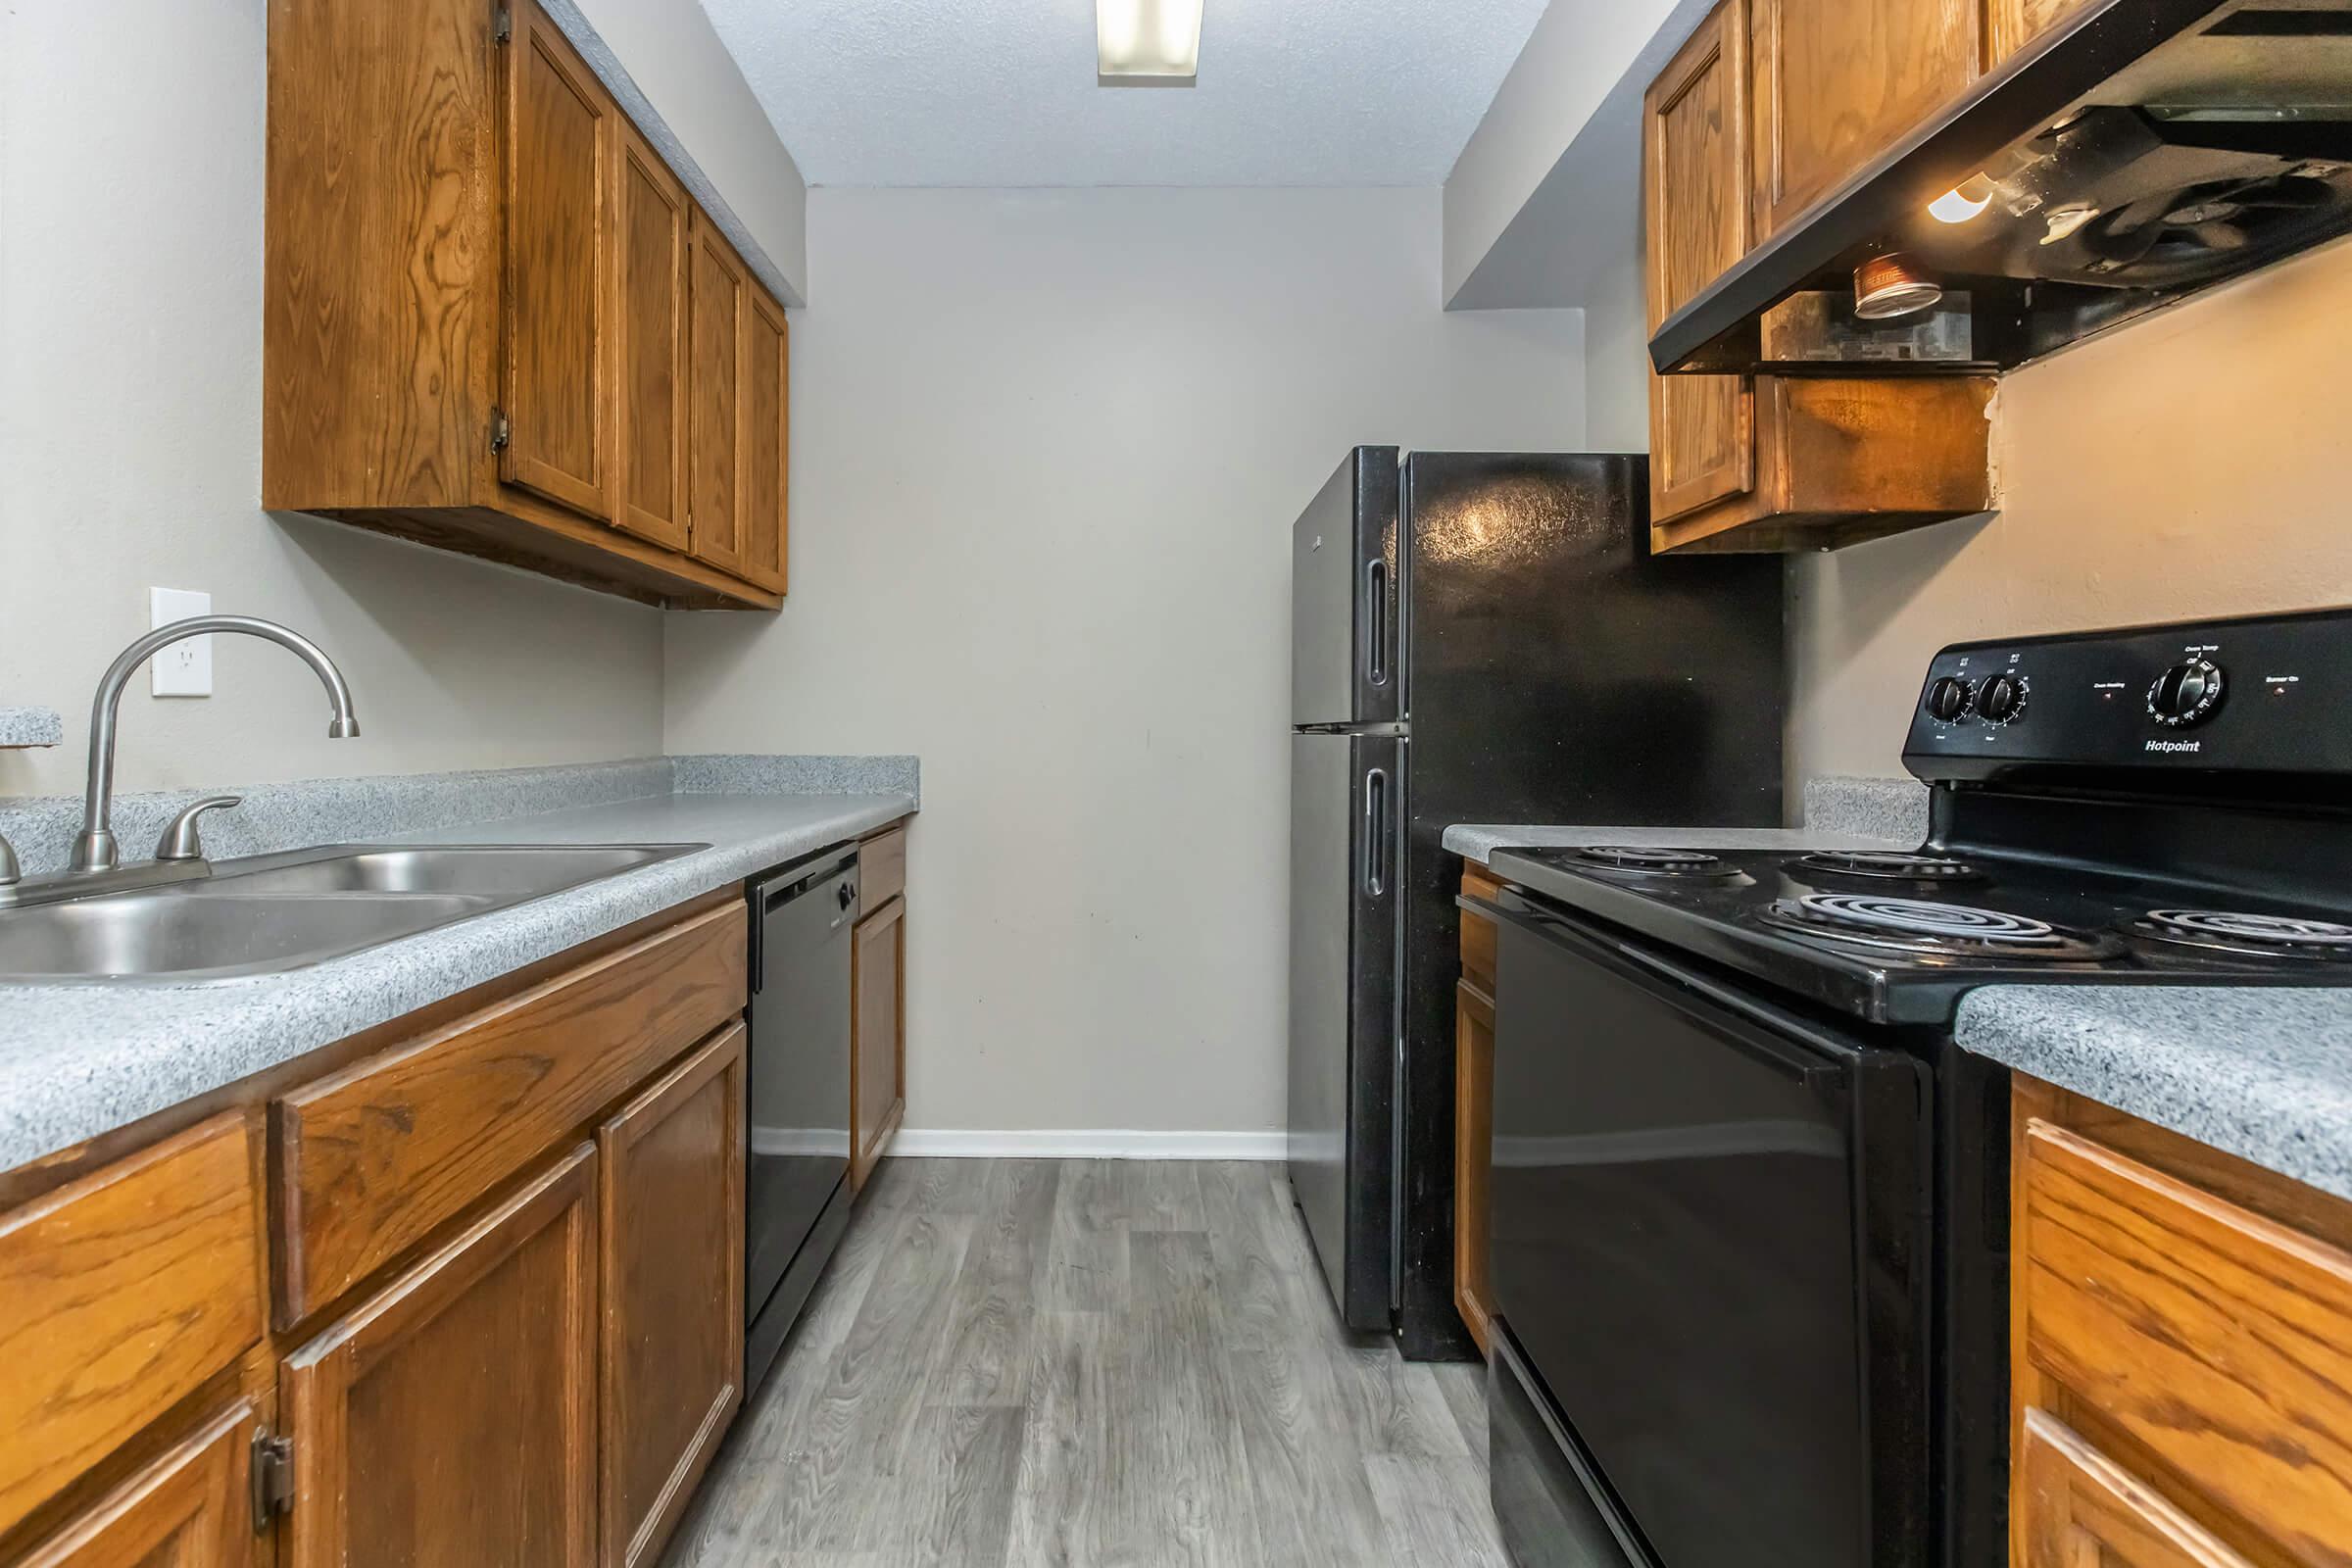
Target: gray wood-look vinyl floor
1090 1363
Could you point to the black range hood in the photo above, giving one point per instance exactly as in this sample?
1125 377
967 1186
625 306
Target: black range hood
2139 151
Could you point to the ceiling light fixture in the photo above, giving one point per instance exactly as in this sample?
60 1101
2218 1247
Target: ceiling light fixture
1146 43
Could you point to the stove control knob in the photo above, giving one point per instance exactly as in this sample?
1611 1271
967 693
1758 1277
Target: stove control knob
2001 699
2185 694
1947 700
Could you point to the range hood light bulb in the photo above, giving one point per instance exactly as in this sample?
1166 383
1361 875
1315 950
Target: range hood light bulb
1963 201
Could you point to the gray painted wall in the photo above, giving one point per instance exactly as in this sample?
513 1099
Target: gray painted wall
1047 454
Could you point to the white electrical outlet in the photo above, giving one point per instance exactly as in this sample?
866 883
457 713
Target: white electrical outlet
185 668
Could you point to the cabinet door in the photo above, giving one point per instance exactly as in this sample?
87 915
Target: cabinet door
648 322
2011 24
1473 1144
1695 211
766 428
673 1258
191 1508
1839 81
451 1417
2078 1508
877 1036
560 147
717 294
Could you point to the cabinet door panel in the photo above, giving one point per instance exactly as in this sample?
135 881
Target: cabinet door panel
1473 1139
122 1293
716 300
2079 1508
2011 24
877 1036
191 1508
1839 81
649 321
673 1258
766 381
560 141
451 1419
1695 201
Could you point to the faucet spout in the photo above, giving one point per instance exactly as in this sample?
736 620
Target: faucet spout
94 847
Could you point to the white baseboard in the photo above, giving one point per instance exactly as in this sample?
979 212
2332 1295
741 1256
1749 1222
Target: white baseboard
1078 1143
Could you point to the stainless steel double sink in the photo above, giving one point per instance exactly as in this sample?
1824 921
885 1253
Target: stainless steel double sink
281 911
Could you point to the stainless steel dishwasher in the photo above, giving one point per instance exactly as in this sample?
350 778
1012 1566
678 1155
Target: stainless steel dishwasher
796 1177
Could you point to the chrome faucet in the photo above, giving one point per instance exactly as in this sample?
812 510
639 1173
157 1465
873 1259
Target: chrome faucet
94 848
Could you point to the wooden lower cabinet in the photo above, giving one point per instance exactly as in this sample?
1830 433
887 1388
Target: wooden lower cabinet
451 1417
1473 1131
877 1036
2181 1355
671 1165
191 1508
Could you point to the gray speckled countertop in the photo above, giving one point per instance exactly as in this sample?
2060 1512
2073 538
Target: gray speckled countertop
1841 813
2262 1072
30 726
82 1060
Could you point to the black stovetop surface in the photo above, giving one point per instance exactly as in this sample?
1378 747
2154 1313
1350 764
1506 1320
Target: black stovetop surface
1733 916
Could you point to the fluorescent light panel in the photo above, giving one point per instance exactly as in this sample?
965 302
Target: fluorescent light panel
1143 43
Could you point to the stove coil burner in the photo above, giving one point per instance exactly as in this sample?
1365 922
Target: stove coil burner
2260 936
1892 864
1939 930
1654 862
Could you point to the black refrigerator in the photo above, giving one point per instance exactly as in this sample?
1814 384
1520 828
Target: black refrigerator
1476 637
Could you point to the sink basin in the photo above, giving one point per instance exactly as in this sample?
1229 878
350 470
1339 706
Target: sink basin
167 933
272 913
487 868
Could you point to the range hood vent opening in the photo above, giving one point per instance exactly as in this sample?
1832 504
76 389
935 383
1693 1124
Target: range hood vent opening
2141 150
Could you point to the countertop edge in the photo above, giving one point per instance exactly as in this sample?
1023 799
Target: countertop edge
2261 1072
107 1057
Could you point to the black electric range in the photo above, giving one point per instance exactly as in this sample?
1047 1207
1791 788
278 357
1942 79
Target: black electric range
1748 1197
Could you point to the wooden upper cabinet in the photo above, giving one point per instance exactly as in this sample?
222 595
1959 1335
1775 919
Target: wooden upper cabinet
672 1167
451 1417
1839 81
717 297
562 133
766 442
474 302
190 1509
2011 24
1695 154
651 217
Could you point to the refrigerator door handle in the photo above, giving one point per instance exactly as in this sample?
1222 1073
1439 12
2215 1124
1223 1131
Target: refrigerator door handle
1376 832
1376 622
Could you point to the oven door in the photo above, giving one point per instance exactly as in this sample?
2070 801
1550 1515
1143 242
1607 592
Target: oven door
1710 1245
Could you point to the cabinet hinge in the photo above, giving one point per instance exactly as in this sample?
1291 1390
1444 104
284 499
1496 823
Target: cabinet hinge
272 1478
502 24
501 432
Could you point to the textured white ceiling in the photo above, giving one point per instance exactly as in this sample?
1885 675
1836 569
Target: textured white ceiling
1002 92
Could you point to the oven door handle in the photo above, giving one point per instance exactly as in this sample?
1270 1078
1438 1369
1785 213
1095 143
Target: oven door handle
1763 1041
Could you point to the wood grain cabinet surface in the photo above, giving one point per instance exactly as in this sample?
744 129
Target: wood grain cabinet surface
2183 1352
451 1416
475 288
191 1508
672 1176
1779 462
122 1295
717 298
1474 1109
877 1036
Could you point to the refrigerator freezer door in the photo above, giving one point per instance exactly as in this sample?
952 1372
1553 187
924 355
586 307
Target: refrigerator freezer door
1344 635
1344 841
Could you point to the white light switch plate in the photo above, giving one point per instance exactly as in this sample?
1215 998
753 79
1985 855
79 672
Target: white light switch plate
185 668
